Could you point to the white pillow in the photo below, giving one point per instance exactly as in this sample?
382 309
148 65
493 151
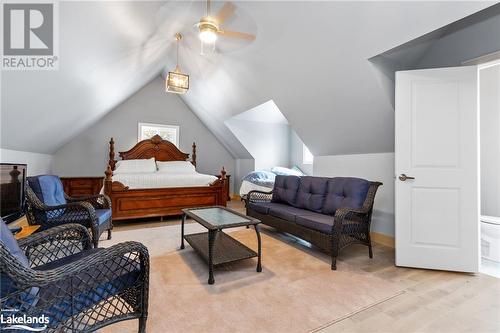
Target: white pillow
176 167
135 166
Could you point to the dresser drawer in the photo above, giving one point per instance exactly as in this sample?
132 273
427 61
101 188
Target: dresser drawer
81 192
82 186
80 183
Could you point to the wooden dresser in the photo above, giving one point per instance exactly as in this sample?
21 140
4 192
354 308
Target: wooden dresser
82 186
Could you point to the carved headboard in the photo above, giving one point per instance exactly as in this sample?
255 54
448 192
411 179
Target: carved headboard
161 150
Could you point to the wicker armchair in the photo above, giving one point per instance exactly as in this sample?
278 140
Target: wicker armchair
57 275
48 206
347 225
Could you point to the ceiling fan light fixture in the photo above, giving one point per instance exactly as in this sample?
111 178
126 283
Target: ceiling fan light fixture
208 31
177 82
208 36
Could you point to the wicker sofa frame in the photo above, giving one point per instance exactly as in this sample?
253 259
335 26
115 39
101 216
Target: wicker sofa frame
99 306
79 210
350 226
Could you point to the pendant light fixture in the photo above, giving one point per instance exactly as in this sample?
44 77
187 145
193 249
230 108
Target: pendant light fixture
177 82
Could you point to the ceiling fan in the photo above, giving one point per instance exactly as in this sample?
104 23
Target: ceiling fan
210 26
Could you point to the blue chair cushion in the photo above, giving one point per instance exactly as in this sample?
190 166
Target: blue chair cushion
316 221
8 286
48 189
286 212
311 193
285 189
11 244
103 215
345 192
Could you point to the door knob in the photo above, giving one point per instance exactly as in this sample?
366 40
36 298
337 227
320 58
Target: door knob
404 177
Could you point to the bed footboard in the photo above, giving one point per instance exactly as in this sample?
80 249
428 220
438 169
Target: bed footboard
139 203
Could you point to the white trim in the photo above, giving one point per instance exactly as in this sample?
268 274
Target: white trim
176 128
489 64
483 60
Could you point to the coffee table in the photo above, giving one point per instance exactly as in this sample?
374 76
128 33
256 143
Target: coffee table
215 246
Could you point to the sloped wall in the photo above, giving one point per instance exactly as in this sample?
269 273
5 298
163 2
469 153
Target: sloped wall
467 39
268 143
87 153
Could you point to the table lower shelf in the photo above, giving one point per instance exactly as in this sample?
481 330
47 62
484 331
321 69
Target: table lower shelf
226 248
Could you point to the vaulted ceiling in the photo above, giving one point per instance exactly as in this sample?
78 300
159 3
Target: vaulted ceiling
310 58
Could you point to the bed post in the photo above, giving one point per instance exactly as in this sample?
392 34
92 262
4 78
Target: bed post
111 162
193 155
108 181
225 186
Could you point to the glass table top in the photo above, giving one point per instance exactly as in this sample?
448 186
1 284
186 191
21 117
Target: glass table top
218 217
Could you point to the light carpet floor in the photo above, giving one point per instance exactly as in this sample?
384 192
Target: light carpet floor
295 292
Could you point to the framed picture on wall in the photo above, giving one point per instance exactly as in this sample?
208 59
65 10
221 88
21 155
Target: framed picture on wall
167 132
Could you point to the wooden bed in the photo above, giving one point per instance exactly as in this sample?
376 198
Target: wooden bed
138 203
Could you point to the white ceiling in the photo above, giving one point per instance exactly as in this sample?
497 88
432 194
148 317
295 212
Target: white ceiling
310 58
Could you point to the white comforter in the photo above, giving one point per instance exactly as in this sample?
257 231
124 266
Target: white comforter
161 180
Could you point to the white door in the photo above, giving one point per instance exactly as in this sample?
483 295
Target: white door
437 144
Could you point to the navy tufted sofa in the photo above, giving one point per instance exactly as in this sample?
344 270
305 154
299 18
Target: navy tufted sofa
330 213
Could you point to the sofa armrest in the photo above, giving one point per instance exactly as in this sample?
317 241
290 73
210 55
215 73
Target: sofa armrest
342 215
258 196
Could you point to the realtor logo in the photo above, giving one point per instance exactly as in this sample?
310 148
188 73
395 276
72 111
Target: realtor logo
29 36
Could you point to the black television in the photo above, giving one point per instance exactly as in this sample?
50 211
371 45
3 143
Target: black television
12 196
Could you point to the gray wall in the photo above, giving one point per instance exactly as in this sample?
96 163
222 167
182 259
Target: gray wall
490 140
38 164
374 167
296 158
243 168
87 154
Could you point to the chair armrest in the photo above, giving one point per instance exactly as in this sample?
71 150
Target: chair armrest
258 196
72 212
89 273
130 251
99 201
57 242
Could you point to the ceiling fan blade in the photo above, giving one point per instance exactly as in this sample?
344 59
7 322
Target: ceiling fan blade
237 34
226 11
